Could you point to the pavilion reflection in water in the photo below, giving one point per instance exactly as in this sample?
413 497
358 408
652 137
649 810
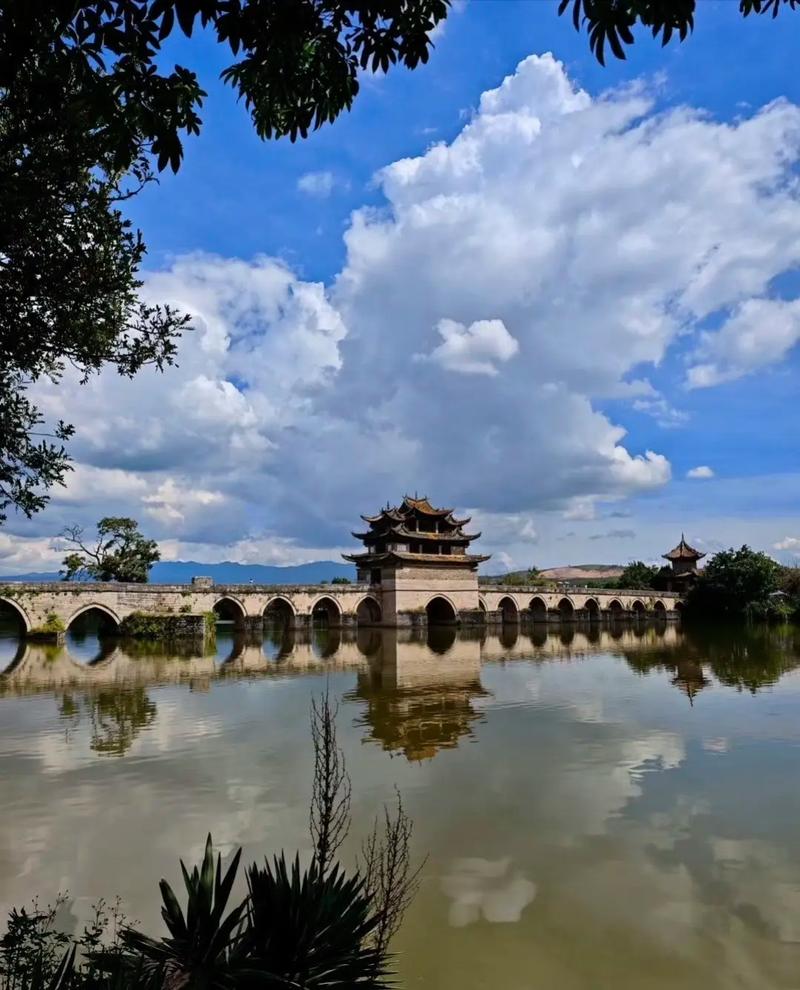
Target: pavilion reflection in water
415 693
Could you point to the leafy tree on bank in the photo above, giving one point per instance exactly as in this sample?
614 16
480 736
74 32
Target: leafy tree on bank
120 553
613 22
789 584
88 114
637 575
737 584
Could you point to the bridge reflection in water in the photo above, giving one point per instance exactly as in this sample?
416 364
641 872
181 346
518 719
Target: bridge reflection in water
415 694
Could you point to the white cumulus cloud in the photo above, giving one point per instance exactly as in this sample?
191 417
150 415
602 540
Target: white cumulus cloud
473 350
319 184
701 471
758 333
788 543
555 247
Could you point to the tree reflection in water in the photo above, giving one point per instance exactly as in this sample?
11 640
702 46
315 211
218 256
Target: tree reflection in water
116 715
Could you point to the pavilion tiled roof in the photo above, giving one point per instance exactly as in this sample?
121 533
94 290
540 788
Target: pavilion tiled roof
683 552
400 530
414 558
420 505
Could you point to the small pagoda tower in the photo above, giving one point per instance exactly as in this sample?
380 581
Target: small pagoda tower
415 553
683 559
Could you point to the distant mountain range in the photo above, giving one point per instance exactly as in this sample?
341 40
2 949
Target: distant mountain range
228 572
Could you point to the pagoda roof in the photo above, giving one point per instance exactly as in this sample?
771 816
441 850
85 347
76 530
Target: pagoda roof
683 552
415 558
421 505
416 534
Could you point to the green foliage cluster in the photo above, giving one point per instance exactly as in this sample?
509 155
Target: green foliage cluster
612 22
316 926
789 585
638 575
52 626
89 110
738 584
142 625
162 626
341 580
120 553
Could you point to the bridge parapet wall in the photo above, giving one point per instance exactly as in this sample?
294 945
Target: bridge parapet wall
44 605
39 604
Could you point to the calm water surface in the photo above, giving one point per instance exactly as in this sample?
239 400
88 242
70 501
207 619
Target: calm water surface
599 810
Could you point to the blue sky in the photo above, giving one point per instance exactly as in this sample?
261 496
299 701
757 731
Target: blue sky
349 347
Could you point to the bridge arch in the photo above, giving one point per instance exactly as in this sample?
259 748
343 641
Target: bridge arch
509 611
592 607
9 606
538 608
326 611
659 608
279 611
368 611
441 611
638 607
566 609
102 610
483 608
230 609
615 609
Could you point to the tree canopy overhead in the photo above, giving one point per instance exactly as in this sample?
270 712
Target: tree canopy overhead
89 112
613 22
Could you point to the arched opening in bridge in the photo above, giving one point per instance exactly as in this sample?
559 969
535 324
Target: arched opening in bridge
615 609
592 610
538 609
229 613
89 632
326 613
440 612
279 614
566 610
638 609
508 610
368 612
678 606
660 609
12 633
482 610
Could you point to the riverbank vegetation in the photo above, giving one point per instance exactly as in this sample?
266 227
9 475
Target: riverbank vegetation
304 926
744 583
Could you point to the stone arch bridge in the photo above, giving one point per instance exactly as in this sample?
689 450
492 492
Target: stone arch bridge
44 609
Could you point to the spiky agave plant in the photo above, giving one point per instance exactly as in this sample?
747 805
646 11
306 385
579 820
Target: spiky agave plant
312 929
202 950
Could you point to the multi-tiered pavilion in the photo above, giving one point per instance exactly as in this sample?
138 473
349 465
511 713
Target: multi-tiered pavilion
413 551
684 560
